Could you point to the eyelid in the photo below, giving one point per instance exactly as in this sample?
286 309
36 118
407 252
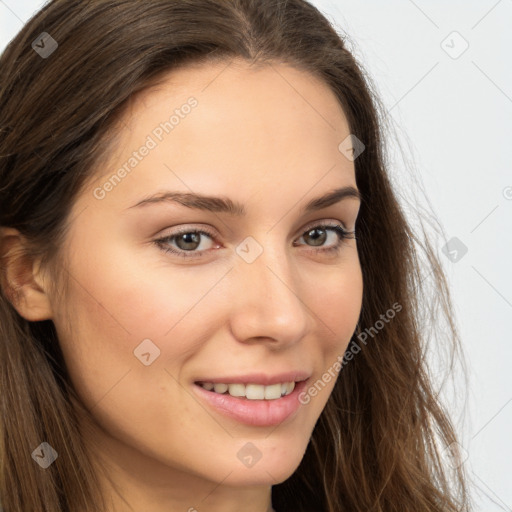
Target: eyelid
326 222
187 229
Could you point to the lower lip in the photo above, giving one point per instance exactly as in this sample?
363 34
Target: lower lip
259 413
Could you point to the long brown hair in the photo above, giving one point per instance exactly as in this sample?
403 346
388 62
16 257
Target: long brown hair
378 443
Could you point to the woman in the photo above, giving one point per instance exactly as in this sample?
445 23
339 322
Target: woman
211 298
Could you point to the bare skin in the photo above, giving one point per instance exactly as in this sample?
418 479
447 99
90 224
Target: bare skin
264 137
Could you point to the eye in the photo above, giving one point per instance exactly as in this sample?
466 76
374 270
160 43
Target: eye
318 234
187 241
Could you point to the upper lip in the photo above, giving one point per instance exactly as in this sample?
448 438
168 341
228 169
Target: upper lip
259 378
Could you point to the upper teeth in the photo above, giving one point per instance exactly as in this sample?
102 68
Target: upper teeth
252 391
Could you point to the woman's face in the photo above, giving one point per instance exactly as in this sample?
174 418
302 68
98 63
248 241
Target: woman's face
261 297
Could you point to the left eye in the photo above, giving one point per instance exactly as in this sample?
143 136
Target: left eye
187 241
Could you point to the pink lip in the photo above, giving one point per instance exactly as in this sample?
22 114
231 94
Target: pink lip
259 413
260 378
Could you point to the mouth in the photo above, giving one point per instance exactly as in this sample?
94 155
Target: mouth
252 403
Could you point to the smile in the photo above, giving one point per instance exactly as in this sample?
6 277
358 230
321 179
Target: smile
252 404
251 391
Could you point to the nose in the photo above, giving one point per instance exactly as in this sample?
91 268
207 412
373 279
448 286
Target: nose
266 303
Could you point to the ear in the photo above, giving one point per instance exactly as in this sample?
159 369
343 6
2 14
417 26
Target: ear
21 277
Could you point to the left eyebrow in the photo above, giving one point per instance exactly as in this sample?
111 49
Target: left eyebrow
226 205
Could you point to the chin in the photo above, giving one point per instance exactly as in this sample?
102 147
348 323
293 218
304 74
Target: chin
275 465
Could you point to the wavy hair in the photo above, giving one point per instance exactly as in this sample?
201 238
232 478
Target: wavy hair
378 443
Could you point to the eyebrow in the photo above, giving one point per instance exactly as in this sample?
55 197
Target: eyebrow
226 205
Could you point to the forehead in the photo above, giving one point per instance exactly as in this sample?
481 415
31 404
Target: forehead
230 124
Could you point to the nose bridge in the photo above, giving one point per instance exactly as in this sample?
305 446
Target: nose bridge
268 302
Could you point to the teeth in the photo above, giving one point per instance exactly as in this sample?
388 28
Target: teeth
272 392
252 391
220 388
236 390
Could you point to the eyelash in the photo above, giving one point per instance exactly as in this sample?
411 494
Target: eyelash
342 233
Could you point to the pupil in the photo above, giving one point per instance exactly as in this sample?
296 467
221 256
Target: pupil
320 239
188 238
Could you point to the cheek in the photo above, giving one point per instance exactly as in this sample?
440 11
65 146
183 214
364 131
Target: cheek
134 292
337 307
338 302
101 326
117 313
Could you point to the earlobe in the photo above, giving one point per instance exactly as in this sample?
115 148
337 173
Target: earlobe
21 277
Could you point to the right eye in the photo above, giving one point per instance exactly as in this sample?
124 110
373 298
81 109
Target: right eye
187 241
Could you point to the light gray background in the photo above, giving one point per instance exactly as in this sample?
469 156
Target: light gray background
454 117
